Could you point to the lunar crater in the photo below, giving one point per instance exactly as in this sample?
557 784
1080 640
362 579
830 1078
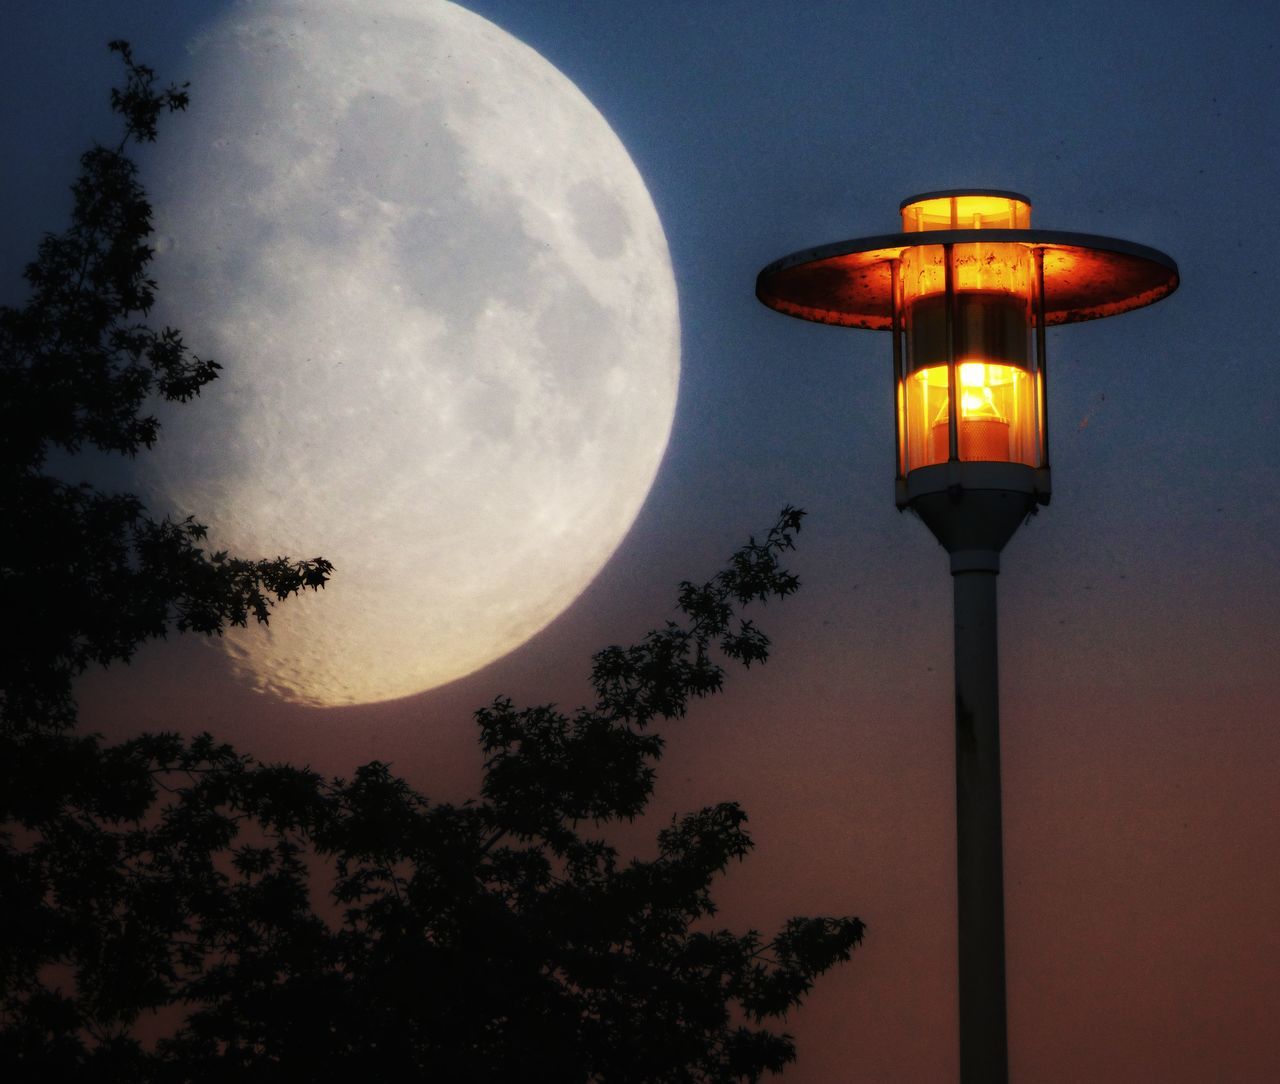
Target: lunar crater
599 219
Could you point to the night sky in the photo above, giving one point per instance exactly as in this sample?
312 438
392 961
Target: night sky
1140 658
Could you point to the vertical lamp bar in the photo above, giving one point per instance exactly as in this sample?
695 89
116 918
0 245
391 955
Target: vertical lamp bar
898 391
1042 372
953 384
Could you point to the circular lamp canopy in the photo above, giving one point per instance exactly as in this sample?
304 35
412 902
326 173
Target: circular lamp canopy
849 283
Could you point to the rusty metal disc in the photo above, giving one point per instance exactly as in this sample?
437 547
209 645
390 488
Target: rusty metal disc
1085 276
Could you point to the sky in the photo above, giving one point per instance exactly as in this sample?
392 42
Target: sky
1139 643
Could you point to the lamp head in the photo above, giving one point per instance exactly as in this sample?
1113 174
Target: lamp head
966 291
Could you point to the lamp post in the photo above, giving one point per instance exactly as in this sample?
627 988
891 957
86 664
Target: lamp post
966 291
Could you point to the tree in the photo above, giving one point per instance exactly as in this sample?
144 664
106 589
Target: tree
91 575
291 927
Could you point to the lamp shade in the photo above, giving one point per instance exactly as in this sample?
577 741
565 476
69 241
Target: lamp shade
967 288
1085 276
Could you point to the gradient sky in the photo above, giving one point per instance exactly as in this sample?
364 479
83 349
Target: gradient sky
1140 656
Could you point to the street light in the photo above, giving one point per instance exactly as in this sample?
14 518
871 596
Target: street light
966 291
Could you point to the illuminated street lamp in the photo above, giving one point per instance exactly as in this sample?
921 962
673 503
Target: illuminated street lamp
966 291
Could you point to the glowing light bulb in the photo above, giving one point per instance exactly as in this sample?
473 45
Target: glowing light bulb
990 403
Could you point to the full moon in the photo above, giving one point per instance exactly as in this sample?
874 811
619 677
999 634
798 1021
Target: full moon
447 320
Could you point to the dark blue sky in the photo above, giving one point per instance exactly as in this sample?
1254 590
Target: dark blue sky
1139 637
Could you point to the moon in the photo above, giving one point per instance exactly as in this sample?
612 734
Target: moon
447 320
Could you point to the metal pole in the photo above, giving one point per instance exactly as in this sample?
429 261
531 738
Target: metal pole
980 880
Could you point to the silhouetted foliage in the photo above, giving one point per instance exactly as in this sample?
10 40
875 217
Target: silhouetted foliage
87 575
290 927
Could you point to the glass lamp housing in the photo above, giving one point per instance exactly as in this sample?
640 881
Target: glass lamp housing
967 314
967 289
